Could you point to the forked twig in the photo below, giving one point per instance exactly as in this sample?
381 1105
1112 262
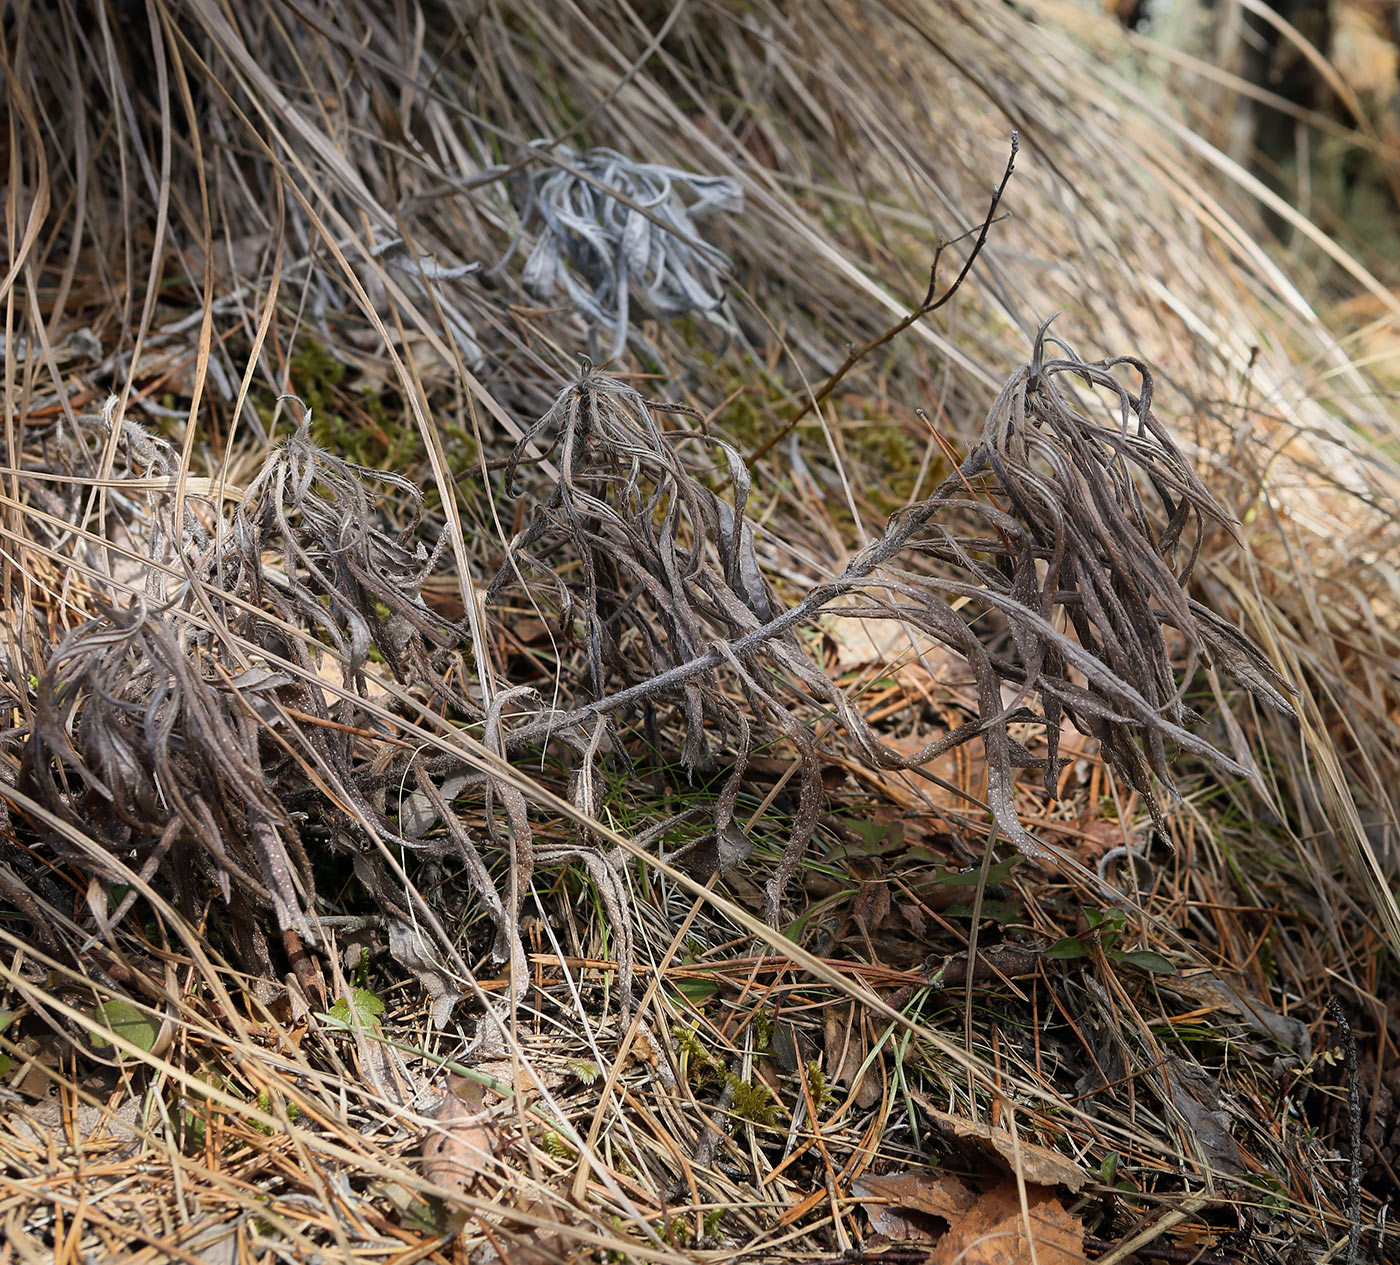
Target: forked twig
929 305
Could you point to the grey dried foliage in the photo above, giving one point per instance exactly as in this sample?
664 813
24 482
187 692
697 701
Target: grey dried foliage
195 732
136 741
665 567
1055 560
608 224
1067 544
340 576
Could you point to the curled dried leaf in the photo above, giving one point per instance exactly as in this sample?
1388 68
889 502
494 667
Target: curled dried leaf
458 1144
1055 561
609 226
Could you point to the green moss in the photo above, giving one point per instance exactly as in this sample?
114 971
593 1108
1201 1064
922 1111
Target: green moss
753 1100
585 1069
315 374
357 423
267 1107
700 1064
763 403
819 1085
554 1145
886 446
763 1031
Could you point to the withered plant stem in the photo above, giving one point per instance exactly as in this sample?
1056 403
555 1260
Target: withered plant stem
929 305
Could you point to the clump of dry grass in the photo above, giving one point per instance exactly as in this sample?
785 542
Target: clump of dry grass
463 737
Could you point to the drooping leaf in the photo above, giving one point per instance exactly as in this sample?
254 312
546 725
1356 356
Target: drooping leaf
1146 960
598 245
1066 949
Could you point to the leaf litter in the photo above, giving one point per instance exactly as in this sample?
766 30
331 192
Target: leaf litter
608 224
982 1227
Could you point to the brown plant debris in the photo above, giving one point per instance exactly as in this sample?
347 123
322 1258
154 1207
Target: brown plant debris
990 1227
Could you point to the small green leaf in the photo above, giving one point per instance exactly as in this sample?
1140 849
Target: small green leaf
128 1022
1108 920
6 1018
1146 960
1108 1170
1064 950
697 991
361 1009
876 838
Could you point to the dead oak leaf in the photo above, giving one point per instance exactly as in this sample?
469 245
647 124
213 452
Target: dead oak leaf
905 1206
458 1145
990 1228
998 1231
872 907
847 1048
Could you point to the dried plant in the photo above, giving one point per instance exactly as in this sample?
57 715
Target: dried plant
1082 575
139 741
158 731
608 224
340 576
233 205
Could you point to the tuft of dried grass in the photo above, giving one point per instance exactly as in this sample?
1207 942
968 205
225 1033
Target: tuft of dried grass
607 224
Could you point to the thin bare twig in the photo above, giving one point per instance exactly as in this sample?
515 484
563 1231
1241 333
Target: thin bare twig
929 305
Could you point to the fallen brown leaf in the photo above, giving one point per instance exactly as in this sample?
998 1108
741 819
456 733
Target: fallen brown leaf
900 1205
872 907
1197 1097
1038 1165
994 1231
527 1078
892 648
1014 961
982 1229
457 1146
